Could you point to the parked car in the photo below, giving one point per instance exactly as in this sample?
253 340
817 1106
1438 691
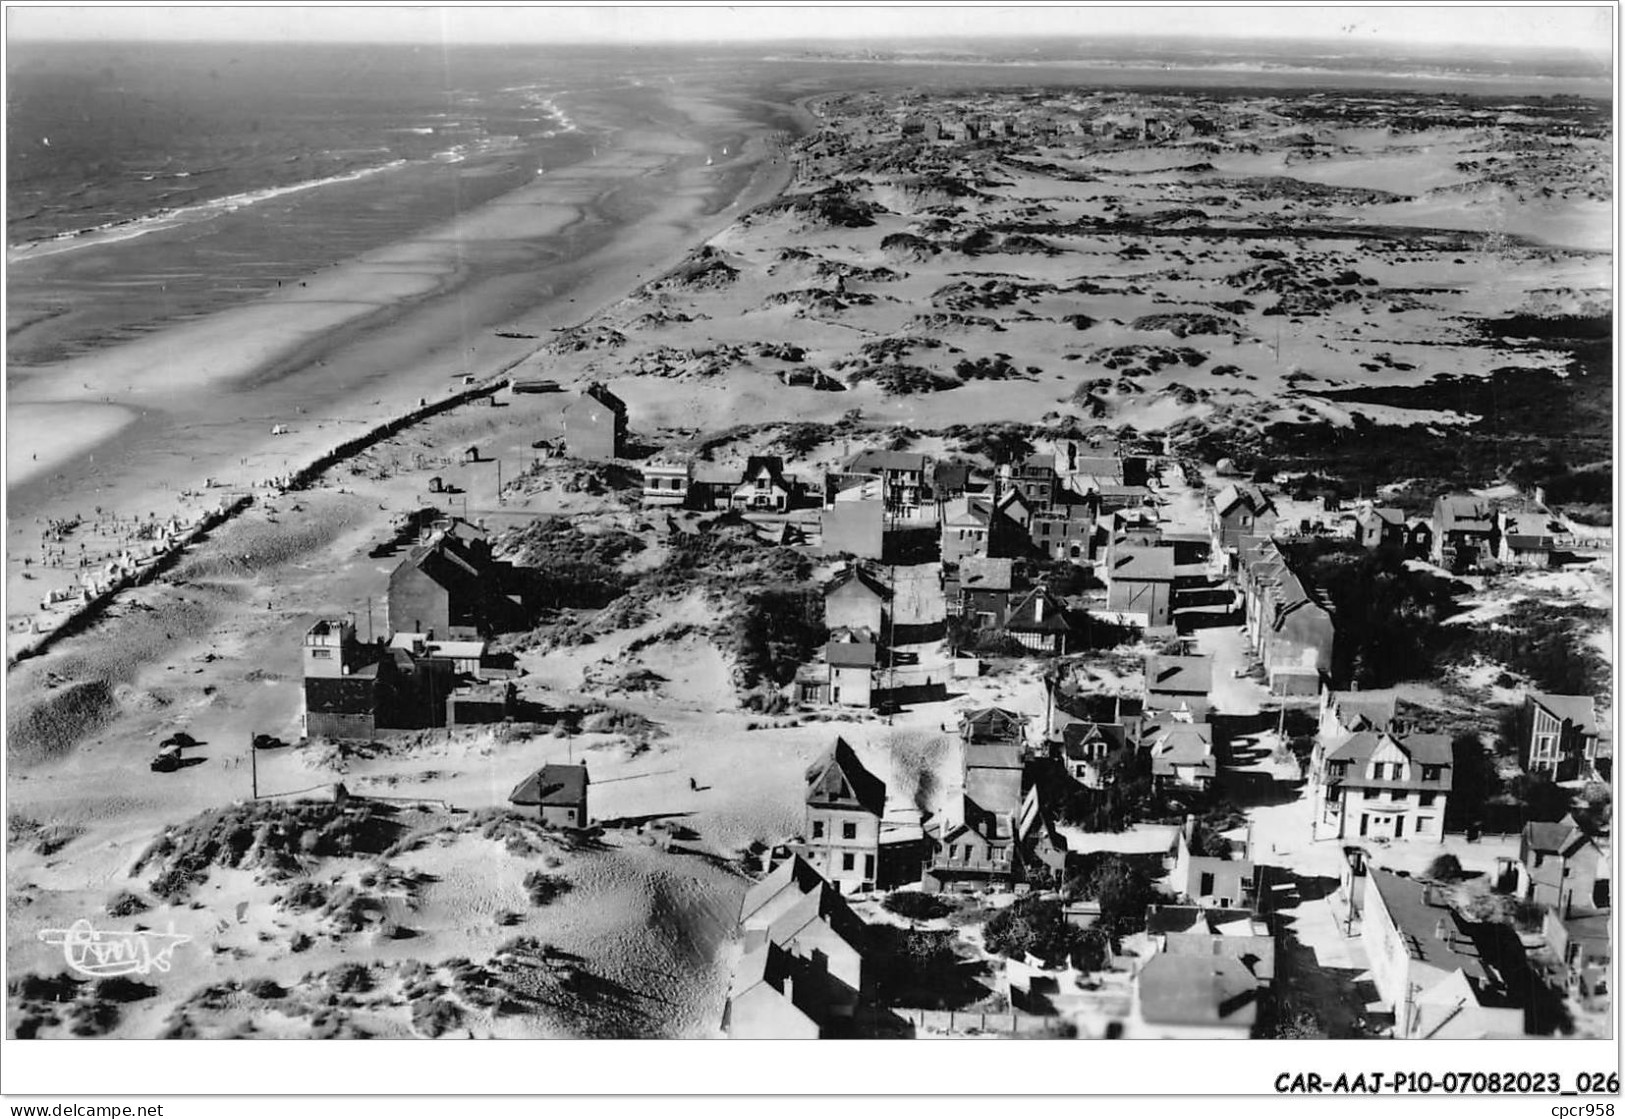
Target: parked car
267 742
167 759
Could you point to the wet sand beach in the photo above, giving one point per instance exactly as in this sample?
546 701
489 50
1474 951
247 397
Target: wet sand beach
131 426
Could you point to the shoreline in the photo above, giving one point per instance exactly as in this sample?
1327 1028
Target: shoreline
449 314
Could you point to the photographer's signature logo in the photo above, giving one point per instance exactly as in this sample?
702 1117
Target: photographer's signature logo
94 953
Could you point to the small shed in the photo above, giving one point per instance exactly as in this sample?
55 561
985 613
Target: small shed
557 792
437 484
471 454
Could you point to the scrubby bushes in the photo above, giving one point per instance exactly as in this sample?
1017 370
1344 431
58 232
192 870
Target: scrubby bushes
1032 927
544 888
276 833
917 906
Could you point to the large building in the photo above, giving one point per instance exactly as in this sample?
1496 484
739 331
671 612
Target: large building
1240 510
845 803
1558 736
452 588
595 425
1429 965
1376 785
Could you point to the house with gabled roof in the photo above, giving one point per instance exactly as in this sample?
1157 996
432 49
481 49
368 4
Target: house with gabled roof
557 792
1558 735
1463 531
1429 965
1039 622
844 806
1379 785
595 425
971 847
1240 509
1181 755
1179 685
452 588
802 972
766 1004
1558 867
764 487
1085 747
992 724
857 599
1343 713
1527 539
1378 526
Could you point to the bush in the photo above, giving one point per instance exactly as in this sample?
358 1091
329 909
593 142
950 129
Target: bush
917 906
125 904
262 988
304 896
350 978
544 887
1445 868
1031 926
1091 949
1124 893
433 1017
121 988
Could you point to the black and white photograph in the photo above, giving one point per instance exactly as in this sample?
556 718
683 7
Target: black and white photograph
861 523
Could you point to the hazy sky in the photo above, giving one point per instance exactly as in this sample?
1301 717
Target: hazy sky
1587 28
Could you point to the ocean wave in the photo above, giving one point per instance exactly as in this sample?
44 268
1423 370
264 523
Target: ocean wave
128 228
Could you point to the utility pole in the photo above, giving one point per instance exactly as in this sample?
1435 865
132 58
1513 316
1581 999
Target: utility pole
253 769
499 481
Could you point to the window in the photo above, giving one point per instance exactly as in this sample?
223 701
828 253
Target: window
848 861
1426 799
849 830
868 866
322 654
1431 772
818 829
1205 888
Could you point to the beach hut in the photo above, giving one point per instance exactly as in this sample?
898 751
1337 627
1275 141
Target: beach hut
472 454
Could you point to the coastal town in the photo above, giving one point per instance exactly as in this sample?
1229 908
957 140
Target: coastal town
1074 565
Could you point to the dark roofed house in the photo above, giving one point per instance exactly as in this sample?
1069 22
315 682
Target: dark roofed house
595 425
1039 622
764 488
1182 755
845 803
452 588
992 724
901 474
557 792
1379 527
1194 997
1085 748
1429 966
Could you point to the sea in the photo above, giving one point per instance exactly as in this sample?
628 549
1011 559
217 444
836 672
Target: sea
150 183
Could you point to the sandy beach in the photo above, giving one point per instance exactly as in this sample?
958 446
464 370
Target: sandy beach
365 340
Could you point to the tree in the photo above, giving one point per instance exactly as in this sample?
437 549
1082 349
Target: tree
1473 781
1445 868
1124 893
1539 796
1031 926
1214 845
1091 949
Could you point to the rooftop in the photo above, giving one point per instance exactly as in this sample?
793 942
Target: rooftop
1197 991
563 785
1178 674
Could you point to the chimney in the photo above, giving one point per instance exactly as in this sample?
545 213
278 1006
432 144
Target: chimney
789 990
1038 606
1441 931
